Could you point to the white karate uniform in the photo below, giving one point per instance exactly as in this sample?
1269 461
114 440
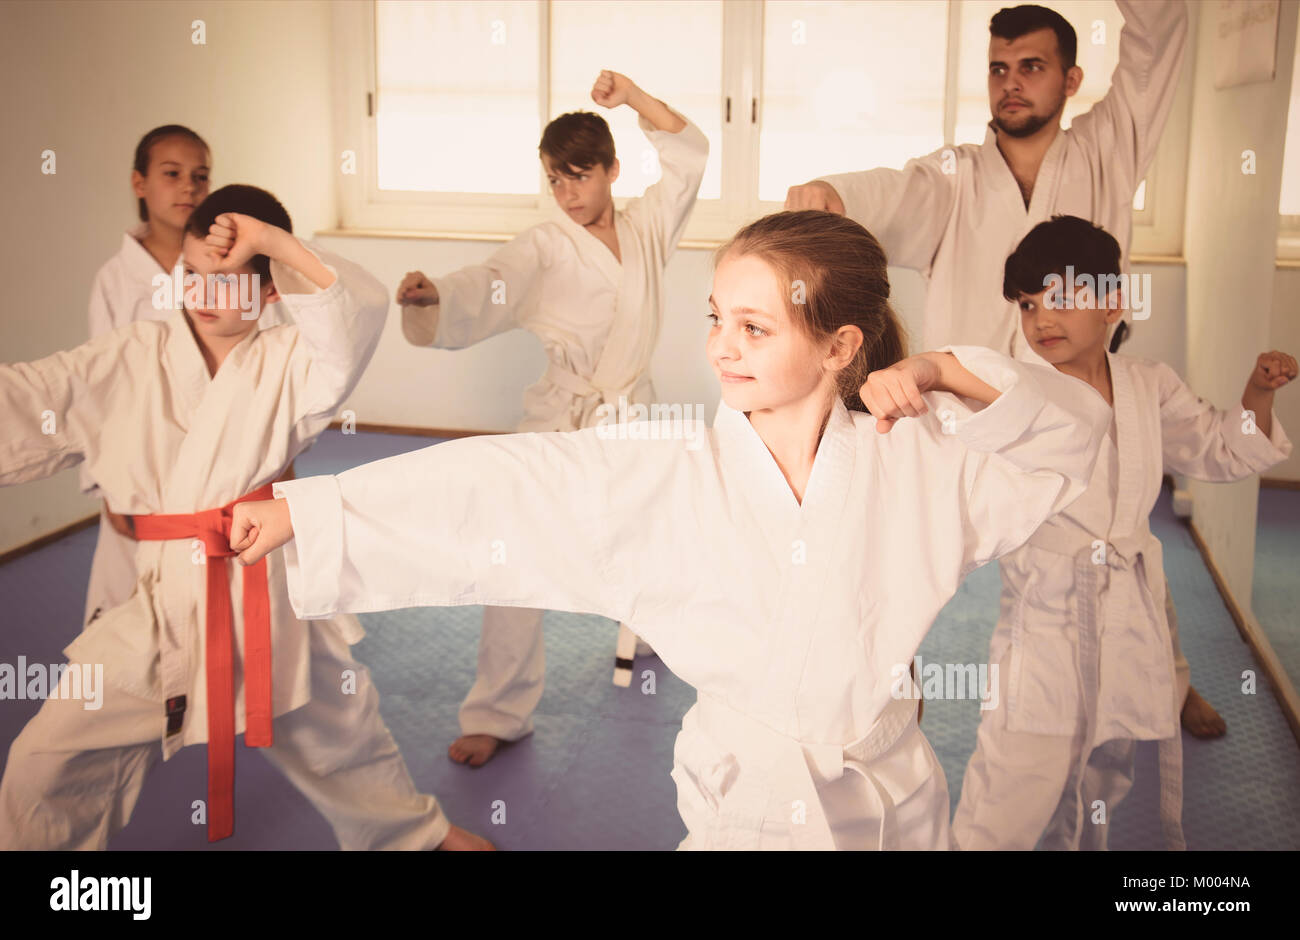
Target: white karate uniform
958 228
123 292
158 434
598 321
1084 645
786 617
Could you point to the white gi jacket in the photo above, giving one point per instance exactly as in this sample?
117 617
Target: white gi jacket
1084 599
598 320
157 434
123 292
787 618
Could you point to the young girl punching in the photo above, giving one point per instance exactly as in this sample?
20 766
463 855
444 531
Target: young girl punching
786 562
169 177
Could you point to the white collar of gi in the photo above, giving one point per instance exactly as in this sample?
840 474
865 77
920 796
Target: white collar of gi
136 257
1008 180
183 352
742 447
1131 454
593 247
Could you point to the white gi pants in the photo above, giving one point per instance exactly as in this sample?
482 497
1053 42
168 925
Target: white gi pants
511 674
74 775
1021 786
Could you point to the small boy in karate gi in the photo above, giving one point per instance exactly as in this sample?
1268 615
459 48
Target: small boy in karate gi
176 421
1084 645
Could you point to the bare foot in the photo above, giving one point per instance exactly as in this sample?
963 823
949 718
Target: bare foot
1199 717
458 840
475 750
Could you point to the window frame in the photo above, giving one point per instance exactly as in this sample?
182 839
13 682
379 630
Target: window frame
1288 226
363 207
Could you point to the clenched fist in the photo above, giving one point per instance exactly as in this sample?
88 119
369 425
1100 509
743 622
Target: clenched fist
815 195
611 89
1273 370
894 393
416 290
258 527
235 238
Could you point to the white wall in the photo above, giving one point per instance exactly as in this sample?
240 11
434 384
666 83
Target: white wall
1284 334
1230 247
87 80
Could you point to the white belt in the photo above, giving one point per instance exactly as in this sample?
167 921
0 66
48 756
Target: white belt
778 770
588 396
1120 555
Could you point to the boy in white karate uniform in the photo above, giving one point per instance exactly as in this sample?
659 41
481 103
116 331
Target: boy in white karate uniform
954 215
175 419
764 566
1083 646
589 286
169 177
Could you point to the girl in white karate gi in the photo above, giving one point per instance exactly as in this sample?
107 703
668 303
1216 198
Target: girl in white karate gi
169 177
174 420
589 285
1084 647
788 568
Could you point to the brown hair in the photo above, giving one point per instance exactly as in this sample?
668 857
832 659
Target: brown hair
246 200
1013 22
143 152
841 268
580 139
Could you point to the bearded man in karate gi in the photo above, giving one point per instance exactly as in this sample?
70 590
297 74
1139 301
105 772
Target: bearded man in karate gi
954 215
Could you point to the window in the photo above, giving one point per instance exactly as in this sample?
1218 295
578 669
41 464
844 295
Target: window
456 96
675 58
444 101
828 108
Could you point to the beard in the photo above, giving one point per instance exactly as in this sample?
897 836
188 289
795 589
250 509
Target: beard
1030 124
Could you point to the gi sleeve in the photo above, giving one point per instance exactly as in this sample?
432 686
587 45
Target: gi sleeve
46 426
482 300
1126 124
664 209
338 330
1026 456
1208 443
516 520
906 210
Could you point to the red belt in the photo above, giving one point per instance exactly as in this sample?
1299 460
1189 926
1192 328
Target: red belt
212 528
